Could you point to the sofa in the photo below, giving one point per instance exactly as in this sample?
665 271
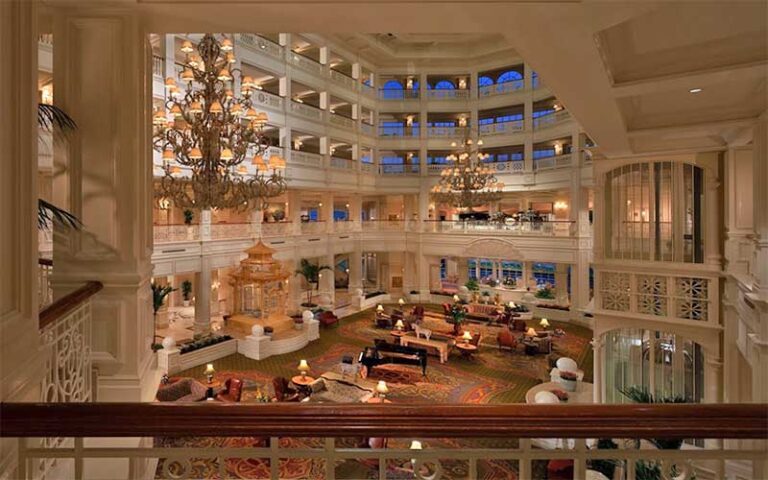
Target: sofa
326 390
182 390
482 312
327 318
233 391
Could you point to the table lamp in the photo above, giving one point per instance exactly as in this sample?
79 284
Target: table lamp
456 298
303 368
467 336
381 388
379 308
401 302
399 325
415 445
209 371
544 323
530 332
512 304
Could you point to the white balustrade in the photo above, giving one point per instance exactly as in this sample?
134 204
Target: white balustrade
516 166
436 168
223 231
501 88
398 94
383 225
344 80
367 168
550 120
343 226
260 97
307 111
502 128
307 159
158 66
398 131
399 169
450 132
367 129
306 64
477 227
276 229
343 163
44 290
260 44
45 39
549 163
308 228
341 121
440 94
175 233
367 90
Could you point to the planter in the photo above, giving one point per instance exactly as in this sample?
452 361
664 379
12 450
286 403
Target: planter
298 325
568 385
185 303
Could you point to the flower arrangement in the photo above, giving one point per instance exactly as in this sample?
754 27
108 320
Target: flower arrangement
570 376
561 395
203 342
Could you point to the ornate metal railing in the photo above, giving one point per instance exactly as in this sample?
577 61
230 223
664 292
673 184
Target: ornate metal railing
344 80
175 233
398 94
307 111
516 166
367 168
549 163
343 163
456 132
279 440
306 64
562 228
501 88
399 169
44 290
550 120
367 129
502 127
308 159
398 131
440 94
260 44
268 100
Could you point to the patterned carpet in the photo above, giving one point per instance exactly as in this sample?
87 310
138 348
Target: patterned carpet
492 376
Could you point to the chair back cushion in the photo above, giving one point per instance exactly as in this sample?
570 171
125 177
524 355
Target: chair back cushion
235 389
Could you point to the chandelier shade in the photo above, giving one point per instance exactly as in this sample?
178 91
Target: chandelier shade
212 132
467 183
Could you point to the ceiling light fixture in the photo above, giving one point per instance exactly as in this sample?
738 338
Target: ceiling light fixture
695 90
468 183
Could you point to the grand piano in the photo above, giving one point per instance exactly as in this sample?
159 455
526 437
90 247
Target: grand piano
385 353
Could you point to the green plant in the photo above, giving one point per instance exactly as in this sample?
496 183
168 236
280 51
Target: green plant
456 317
311 273
642 395
186 289
546 293
188 216
472 285
58 122
608 466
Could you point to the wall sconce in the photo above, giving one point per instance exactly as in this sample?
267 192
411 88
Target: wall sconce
409 83
462 121
409 121
561 205
462 84
558 148
164 203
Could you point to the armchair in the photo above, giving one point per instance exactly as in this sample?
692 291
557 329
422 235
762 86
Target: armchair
182 390
519 325
505 339
418 312
283 391
233 391
327 318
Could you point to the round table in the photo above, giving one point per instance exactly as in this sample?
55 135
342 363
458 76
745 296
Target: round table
302 383
377 400
466 349
583 393
397 334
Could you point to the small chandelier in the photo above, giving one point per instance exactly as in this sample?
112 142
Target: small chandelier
467 183
213 132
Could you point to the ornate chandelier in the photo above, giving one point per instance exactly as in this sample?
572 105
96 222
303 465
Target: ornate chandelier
467 183
213 132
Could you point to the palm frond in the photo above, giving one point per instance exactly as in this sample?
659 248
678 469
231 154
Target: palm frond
50 117
50 213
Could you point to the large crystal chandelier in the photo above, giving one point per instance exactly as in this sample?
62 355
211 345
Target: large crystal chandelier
213 132
467 183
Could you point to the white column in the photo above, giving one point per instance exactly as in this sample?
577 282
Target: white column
528 121
205 225
21 370
257 217
107 179
203 298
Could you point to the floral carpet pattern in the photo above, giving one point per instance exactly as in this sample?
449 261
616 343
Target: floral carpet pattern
491 376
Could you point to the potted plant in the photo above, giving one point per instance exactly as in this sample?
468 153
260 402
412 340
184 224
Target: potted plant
472 285
268 331
486 296
298 323
569 380
545 293
159 292
186 291
456 317
278 215
188 217
311 273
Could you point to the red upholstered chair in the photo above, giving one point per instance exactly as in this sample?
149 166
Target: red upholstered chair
283 391
560 470
233 390
505 339
418 312
327 318
519 325
447 309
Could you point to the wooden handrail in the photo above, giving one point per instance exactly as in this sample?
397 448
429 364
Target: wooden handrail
66 304
393 420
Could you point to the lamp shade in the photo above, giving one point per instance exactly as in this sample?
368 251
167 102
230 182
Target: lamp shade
381 387
467 336
379 308
530 332
544 323
415 445
209 369
303 366
456 298
401 302
512 304
399 324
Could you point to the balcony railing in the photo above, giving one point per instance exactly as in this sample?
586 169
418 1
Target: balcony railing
440 94
158 66
383 225
398 131
502 128
367 129
399 169
390 440
501 88
268 100
549 163
308 159
261 44
175 233
276 229
343 226
515 166
550 120
341 121
306 64
309 228
398 94
563 228
343 163
307 111
344 80
446 132
367 168
221 231
44 290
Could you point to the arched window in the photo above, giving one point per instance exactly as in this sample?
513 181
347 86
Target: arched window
392 89
654 211
444 85
415 85
484 81
509 76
